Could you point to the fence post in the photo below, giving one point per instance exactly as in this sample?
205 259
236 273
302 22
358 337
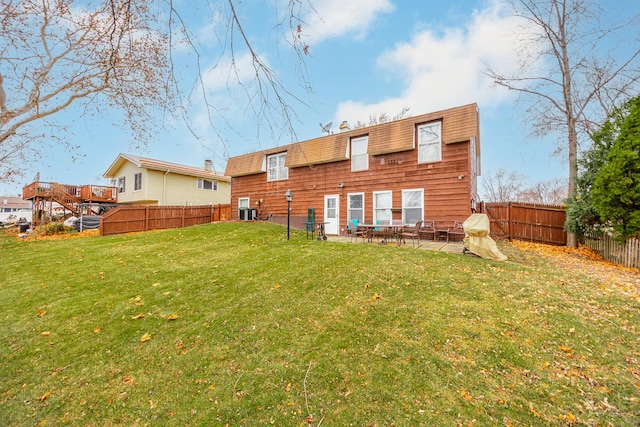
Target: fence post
509 233
146 218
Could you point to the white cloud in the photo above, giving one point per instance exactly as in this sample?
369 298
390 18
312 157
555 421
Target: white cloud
334 18
445 68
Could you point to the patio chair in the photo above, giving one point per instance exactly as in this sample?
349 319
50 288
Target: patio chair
382 232
354 231
456 232
428 230
411 232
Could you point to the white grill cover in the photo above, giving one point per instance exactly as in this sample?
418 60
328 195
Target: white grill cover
477 240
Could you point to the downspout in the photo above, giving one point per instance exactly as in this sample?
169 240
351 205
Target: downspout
164 188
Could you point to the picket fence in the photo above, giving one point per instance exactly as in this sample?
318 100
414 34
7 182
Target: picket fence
626 255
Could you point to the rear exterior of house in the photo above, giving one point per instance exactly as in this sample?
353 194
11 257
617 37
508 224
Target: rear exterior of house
150 182
14 208
418 168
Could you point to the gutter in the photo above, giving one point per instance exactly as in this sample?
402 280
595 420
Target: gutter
164 187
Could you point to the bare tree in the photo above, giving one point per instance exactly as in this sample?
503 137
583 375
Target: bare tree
375 119
549 192
574 71
500 186
98 55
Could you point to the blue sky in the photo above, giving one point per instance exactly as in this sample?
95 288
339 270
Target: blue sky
365 57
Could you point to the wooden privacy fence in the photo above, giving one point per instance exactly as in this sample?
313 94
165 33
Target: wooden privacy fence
626 254
525 221
128 219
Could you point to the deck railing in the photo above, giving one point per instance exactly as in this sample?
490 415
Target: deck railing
85 193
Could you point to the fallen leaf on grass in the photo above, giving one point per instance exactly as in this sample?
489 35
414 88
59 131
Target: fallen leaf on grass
465 395
42 313
44 397
146 337
566 349
568 418
45 333
97 330
173 316
137 316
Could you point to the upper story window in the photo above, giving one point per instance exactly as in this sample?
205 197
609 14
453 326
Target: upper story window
430 142
359 154
276 170
206 184
121 184
137 182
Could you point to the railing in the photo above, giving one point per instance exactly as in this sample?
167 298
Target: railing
626 254
85 193
100 193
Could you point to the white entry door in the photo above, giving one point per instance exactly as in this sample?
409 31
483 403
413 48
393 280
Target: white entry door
331 214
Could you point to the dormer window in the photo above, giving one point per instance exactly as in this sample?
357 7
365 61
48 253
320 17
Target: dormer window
276 170
359 154
430 142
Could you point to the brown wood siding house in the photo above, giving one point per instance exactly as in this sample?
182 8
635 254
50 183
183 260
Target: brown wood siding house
392 183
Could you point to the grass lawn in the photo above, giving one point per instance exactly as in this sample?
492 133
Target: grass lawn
231 324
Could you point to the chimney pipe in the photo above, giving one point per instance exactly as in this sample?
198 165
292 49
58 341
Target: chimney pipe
208 165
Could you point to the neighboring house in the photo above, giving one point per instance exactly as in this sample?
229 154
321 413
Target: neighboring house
14 208
418 168
144 181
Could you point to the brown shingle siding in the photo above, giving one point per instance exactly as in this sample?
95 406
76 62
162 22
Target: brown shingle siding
247 164
459 125
317 151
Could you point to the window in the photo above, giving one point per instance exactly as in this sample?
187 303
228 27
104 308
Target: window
359 155
430 142
382 206
243 203
205 184
276 170
356 207
412 206
137 182
121 184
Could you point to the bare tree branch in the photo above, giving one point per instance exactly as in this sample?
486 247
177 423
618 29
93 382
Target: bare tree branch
103 55
591 77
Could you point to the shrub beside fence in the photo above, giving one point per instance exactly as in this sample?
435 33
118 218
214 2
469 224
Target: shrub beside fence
128 219
627 254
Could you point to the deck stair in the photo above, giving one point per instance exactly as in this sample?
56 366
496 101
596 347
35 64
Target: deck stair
62 196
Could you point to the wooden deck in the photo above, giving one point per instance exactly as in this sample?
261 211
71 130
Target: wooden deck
75 193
